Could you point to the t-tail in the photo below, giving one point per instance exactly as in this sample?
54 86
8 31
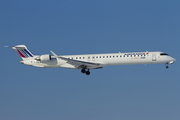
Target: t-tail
23 51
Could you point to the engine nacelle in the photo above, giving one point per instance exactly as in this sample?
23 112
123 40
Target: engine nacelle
44 58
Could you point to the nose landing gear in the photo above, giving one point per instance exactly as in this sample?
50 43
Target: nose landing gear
167 65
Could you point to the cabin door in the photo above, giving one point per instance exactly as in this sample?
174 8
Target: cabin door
153 57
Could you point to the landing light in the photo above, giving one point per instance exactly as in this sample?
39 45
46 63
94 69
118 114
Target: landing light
171 62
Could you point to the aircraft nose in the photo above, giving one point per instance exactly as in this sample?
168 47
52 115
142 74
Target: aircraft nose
172 60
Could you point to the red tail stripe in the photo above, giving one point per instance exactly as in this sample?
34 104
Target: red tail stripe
21 54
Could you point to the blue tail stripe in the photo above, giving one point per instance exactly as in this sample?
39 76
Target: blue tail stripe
22 51
28 52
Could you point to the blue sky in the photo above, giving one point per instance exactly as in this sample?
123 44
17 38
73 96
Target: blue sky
129 92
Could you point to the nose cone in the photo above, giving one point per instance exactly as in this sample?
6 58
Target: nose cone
174 59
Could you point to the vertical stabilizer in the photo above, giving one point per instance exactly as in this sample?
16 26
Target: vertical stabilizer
23 51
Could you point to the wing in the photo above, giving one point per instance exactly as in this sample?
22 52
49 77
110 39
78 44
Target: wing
79 64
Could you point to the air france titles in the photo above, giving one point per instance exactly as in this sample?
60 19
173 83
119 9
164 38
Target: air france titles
137 55
142 54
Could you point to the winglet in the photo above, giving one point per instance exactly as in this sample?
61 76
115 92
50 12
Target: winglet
54 54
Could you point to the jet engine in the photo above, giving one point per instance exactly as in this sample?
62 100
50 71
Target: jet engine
44 58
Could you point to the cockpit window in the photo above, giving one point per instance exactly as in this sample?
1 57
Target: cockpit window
163 54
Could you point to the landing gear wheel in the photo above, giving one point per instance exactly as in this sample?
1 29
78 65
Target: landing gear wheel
167 65
87 72
83 71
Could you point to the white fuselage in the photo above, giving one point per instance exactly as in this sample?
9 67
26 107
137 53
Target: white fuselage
105 59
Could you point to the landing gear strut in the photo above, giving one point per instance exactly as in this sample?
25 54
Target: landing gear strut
84 71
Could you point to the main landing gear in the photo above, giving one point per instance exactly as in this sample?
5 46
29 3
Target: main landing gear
84 71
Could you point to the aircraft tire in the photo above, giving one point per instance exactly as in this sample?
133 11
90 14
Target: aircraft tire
83 71
87 73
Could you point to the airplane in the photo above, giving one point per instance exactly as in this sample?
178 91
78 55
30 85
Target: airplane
91 61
